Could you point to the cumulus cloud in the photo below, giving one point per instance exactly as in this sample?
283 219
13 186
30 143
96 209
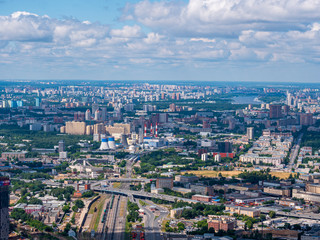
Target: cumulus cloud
23 26
170 33
224 17
127 32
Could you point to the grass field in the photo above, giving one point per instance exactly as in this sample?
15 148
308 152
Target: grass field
282 175
128 228
142 203
206 173
116 185
122 208
163 225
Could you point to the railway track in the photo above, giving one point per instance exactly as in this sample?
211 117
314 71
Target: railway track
111 219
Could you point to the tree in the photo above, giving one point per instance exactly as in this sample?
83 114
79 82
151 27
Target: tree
73 220
296 227
66 208
88 194
68 197
287 226
181 226
75 208
263 217
272 214
122 163
249 224
23 191
67 228
35 201
79 203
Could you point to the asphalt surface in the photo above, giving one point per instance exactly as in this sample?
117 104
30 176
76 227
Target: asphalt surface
294 152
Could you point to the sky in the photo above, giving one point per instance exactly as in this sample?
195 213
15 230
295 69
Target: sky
207 40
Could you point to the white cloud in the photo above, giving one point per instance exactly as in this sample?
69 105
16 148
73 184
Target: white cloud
170 33
22 13
202 40
152 38
224 17
23 26
127 32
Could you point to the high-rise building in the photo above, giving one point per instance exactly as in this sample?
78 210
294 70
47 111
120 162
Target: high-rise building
20 103
163 117
172 107
205 124
88 115
38 102
217 158
97 115
286 109
250 133
4 208
275 111
225 147
306 119
204 156
103 113
95 107
61 146
78 116
75 128
289 99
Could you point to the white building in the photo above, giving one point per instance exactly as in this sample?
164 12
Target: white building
204 156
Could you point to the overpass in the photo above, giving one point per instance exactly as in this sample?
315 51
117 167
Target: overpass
128 180
144 195
313 216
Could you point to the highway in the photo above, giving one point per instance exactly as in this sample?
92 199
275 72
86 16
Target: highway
120 221
313 216
143 195
294 152
152 223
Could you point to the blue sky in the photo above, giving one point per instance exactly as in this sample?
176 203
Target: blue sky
213 40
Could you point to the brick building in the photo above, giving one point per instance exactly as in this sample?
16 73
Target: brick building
164 183
224 223
201 198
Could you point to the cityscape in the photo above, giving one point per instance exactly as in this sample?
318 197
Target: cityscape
159 120
122 160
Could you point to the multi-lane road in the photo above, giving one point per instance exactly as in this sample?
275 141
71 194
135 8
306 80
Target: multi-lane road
141 194
152 223
294 152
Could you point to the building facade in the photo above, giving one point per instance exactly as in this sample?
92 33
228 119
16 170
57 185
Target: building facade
164 183
224 223
4 208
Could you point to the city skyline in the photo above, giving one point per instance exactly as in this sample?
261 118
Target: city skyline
153 40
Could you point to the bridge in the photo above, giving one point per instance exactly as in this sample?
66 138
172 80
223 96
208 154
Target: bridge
128 180
144 195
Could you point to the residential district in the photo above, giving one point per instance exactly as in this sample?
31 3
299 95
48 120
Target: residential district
118 160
